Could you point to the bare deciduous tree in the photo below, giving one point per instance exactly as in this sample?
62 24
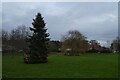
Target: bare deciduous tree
115 46
75 42
16 39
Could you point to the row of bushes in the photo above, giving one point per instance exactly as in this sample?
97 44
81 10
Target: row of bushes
97 51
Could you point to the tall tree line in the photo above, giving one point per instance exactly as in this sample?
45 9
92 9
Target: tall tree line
15 40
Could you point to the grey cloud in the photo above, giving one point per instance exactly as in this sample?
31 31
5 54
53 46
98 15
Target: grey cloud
95 20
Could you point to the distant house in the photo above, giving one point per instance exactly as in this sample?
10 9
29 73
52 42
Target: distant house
105 50
96 47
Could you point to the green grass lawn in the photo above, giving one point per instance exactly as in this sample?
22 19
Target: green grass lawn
60 66
0 65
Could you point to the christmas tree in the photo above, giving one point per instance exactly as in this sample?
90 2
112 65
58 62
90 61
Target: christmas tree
38 42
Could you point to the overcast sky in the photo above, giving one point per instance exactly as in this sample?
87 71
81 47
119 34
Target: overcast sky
97 21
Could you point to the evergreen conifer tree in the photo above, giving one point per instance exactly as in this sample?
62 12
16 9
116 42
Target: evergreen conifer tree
38 42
